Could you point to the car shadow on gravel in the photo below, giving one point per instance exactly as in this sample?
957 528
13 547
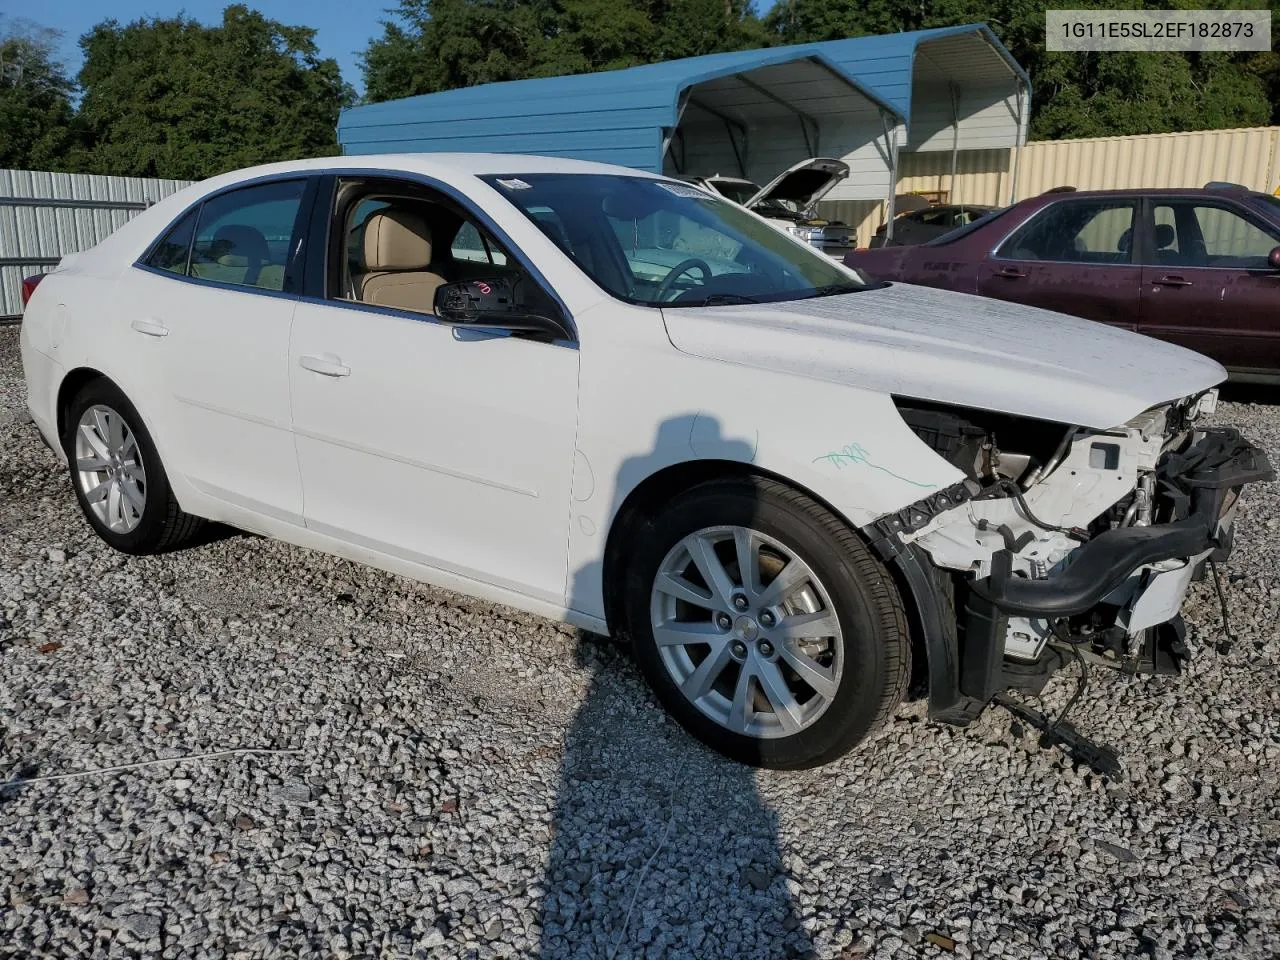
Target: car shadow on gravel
660 848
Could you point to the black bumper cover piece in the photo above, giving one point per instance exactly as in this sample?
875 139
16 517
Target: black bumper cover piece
1196 481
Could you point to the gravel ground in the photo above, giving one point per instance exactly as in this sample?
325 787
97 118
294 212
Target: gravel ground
465 781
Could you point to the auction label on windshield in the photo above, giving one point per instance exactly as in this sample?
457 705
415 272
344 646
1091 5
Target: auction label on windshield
1153 30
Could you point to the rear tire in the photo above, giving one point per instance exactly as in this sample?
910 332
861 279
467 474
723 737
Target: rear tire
117 475
787 668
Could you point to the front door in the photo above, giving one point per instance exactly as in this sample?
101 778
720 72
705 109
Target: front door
437 444
216 314
1207 284
1074 256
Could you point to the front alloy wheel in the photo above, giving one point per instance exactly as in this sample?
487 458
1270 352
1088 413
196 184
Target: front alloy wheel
764 624
747 631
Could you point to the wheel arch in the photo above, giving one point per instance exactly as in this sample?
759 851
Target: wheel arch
77 378
672 480
73 383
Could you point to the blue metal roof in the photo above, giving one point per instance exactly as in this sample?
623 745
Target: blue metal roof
884 63
619 116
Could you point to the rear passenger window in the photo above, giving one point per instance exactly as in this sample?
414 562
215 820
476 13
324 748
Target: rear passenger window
171 253
244 237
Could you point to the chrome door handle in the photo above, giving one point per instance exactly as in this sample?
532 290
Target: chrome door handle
327 365
1011 273
152 328
1172 281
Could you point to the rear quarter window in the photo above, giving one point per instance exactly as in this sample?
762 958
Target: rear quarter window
172 251
961 232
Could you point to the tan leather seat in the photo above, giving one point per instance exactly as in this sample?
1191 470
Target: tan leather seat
397 253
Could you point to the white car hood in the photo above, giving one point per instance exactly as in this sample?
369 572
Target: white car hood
952 348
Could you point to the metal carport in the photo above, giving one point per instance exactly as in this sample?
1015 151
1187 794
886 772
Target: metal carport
750 113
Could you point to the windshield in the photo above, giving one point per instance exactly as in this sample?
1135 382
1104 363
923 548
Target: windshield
660 243
739 191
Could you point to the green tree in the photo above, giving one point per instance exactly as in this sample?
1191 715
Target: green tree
810 21
432 45
1117 94
443 44
173 98
1074 94
36 121
690 28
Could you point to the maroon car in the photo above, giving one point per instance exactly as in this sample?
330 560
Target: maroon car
1198 267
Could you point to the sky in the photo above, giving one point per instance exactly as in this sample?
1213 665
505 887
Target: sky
343 27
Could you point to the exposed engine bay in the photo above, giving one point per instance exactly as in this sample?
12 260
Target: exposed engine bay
1066 540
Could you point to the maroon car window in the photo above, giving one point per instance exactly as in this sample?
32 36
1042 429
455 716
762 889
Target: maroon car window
959 233
1076 231
1192 234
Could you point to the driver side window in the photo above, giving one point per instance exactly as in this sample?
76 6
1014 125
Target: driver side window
399 243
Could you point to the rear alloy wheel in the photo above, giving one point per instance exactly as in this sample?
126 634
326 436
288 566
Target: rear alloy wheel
117 476
109 469
764 624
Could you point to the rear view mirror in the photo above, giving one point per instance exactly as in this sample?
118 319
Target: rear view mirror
491 302
1273 259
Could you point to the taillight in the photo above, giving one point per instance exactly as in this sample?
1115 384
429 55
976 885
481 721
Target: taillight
29 285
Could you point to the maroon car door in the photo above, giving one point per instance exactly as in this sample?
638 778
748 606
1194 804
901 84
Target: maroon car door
1075 256
1207 285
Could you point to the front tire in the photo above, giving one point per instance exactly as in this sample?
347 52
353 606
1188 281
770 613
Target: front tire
117 476
764 624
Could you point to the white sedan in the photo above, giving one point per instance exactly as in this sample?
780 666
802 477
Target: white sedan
611 398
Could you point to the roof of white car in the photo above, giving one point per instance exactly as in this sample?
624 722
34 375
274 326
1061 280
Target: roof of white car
128 242
440 164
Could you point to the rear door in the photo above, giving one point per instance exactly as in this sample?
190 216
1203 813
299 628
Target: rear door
1075 256
213 316
1206 283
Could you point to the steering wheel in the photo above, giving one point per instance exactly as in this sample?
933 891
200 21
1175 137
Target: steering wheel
684 266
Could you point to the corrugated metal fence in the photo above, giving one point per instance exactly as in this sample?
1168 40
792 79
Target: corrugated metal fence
1249 156
44 216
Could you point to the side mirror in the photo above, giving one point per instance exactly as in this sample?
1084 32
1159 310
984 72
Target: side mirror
491 302
1273 259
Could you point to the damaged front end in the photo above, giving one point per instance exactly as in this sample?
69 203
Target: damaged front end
1061 542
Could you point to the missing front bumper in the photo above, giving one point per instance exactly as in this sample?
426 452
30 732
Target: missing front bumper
967 664
1202 484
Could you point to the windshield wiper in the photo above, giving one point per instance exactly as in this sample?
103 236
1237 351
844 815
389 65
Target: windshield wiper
835 289
720 300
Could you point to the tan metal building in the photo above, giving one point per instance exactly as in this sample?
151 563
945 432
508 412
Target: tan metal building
1249 156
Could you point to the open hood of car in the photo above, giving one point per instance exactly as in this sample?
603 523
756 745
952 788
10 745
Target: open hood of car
952 348
804 184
